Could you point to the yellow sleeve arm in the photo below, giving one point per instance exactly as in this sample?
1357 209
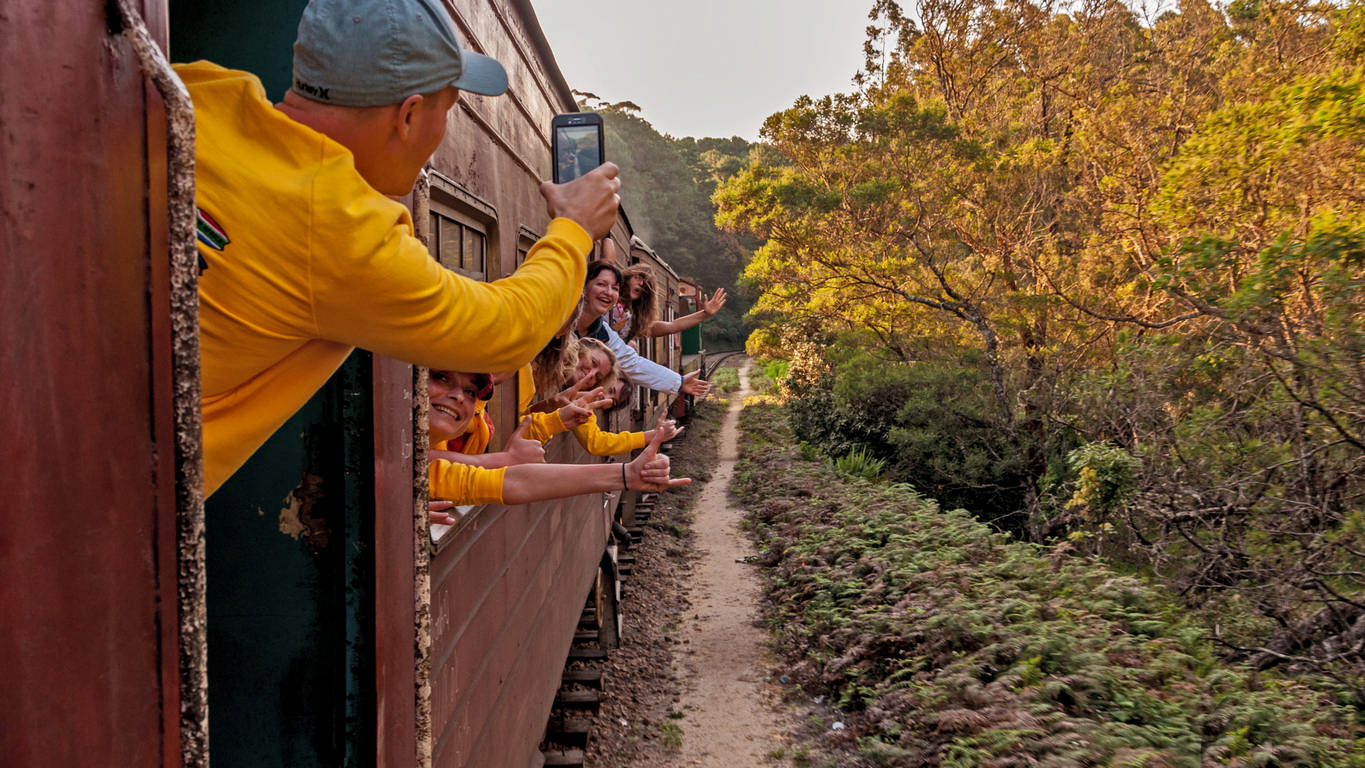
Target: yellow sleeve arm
543 425
464 484
390 296
600 443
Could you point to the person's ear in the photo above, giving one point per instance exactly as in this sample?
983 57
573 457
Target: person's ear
406 116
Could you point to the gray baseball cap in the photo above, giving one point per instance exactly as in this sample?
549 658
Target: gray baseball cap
372 53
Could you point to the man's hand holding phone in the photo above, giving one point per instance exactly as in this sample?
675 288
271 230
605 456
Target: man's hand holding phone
592 199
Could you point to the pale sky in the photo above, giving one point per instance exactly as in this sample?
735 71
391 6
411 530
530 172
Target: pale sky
707 68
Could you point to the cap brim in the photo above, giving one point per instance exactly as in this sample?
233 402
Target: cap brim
482 74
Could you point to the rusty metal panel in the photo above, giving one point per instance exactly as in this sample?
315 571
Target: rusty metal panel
395 566
87 545
507 593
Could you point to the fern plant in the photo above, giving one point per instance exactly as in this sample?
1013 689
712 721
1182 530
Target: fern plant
860 462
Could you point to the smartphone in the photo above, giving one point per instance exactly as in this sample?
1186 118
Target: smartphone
577 144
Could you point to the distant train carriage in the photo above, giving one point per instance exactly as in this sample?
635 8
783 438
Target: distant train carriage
303 614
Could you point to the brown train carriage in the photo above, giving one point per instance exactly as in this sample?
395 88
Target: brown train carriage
302 616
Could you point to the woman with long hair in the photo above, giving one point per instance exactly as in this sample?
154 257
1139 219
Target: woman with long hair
636 312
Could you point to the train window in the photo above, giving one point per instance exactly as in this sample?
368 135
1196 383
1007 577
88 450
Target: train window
525 240
461 227
461 233
459 244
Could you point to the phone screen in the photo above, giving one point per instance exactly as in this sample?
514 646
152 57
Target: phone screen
579 148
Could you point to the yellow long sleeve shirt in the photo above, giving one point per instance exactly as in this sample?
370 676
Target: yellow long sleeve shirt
544 424
600 443
302 261
465 484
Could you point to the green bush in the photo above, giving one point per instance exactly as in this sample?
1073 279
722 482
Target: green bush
936 429
776 369
1104 476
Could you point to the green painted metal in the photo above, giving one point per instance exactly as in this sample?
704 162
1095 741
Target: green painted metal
691 337
291 591
254 35
691 340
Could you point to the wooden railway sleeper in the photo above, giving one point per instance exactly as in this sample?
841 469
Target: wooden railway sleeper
568 758
569 731
585 699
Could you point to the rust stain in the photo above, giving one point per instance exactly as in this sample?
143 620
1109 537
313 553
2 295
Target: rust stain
300 517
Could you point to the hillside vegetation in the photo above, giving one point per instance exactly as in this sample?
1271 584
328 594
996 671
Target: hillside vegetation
946 643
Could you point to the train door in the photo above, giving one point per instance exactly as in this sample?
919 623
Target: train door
298 671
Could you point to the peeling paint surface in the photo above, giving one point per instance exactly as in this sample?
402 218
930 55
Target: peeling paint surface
300 517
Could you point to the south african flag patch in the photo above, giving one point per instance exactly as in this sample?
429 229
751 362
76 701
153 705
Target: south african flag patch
210 234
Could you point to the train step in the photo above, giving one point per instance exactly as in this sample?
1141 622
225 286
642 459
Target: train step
589 677
587 654
569 758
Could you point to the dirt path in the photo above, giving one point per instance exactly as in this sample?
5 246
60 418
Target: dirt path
727 720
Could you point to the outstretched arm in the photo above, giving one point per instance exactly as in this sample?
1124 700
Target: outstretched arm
526 483
709 308
641 370
383 292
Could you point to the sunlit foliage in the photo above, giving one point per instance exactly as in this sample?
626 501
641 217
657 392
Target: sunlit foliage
1136 237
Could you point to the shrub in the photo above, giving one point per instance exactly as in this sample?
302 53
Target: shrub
934 427
1104 476
776 370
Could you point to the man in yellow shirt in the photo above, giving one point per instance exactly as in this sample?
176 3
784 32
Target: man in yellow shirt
303 257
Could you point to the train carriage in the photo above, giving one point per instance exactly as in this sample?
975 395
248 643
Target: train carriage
303 615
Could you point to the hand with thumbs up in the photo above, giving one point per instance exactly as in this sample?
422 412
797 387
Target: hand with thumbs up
520 450
650 470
